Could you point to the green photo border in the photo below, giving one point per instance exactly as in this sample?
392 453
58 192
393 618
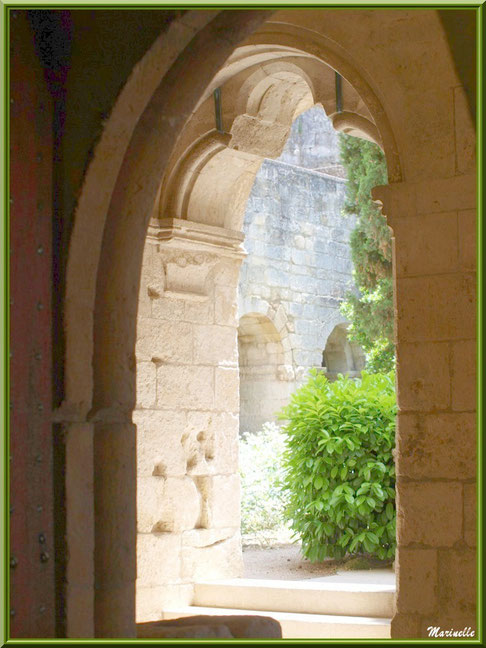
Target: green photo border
6 7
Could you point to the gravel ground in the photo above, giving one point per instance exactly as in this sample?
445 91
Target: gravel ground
283 562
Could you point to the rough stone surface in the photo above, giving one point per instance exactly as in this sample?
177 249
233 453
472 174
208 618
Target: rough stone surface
417 567
437 445
470 503
457 581
158 558
221 559
464 361
166 630
429 513
419 364
187 422
244 626
298 267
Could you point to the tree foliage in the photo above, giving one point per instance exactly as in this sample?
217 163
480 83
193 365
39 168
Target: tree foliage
371 312
339 470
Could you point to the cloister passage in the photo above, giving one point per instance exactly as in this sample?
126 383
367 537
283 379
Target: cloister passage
151 184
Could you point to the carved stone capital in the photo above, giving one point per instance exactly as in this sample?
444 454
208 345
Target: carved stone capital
190 252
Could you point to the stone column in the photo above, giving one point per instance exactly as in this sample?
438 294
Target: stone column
188 512
434 227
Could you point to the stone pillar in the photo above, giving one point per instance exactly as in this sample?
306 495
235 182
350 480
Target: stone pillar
188 513
434 227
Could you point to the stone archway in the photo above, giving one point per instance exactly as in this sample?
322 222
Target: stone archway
340 356
187 330
264 374
428 190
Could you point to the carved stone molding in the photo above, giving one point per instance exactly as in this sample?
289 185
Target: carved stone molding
190 251
203 240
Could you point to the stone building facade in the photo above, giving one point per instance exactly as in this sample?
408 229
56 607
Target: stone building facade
297 271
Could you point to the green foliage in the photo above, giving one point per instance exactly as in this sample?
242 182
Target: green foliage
339 470
371 324
370 314
261 471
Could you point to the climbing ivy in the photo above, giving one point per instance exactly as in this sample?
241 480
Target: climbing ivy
371 312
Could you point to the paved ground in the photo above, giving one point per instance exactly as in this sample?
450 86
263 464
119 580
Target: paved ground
284 562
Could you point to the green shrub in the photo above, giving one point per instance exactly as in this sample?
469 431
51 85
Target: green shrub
339 469
261 472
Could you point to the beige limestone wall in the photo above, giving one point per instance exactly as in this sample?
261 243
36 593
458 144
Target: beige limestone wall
434 226
267 379
188 497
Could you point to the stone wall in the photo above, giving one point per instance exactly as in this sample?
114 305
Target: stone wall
298 267
188 495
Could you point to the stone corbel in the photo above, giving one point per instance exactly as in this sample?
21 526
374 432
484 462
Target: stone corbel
190 251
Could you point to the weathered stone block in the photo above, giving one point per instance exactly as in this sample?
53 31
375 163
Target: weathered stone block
150 501
164 341
215 345
152 600
180 507
419 366
437 445
146 384
167 308
224 430
457 581
201 312
159 449
226 272
429 513
405 626
206 537
226 397
198 443
467 239
447 194
464 361
185 387
220 560
470 514
221 500
417 581
441 307
434 251
158 558
225 306
465 133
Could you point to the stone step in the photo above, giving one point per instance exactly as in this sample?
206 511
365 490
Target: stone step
307 597
303 626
